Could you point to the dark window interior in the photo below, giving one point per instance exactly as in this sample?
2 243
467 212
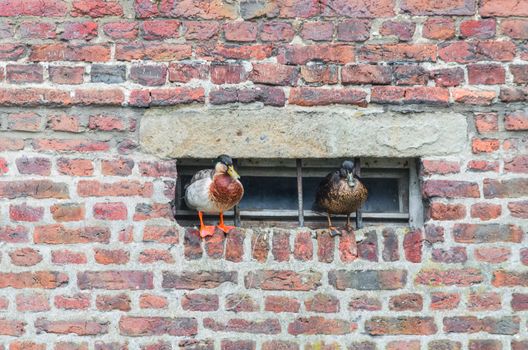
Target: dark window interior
271 193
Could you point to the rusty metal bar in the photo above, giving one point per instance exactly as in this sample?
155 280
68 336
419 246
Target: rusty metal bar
359 212
300 192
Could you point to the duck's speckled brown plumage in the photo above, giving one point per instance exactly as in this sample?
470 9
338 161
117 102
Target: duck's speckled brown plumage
225 191
335 196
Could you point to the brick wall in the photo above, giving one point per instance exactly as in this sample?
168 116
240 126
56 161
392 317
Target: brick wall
91 259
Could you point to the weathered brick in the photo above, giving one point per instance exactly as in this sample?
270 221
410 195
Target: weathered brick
25 257
512 188
472 324
474 51
37 30
406 302
24 73
29 121
149 326
449 277
282 280
13 234
480 29
366 74
66 75
306 96
368 279
296 54
401 326
397 52
73 302
441 211
317 31
449 256
517 121
148 75
402 30
484 344
281 304
320 325
59 234
197 280
78 327
264 326
227 344
438 28
364 303
156 51
115 280
272 96
68 257
24 212
485 211
451 189
484 301
96 8
38 189
67 212
85 30
121 30
448 77
274 31
487 233
113 302
38 279
444 301
503 8
494 255
356 8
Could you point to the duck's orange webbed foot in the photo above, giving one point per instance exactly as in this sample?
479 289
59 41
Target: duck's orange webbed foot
222 226
207 231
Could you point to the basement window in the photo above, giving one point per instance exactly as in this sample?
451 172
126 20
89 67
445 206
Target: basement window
281 192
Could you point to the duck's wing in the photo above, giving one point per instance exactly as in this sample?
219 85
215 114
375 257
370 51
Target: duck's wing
202 174
324 190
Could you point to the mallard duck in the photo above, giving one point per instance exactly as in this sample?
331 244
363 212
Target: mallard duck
214 191
340 192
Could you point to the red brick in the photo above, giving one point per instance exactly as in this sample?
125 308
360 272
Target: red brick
412 246
404 31
474 51
325 248
517 121
37 30
320 325
121 30
34 302
273 74
38 189
366 74
99 97
484 145
148 211
320 73
185 72
323 303
493 255
38 279
113 302
63 122
276 32
441 211
117 167
357 8
482 166
485 211
150 256
228 73
151 301
200 302
282 280
519 345
58 234
472 324
503 8
47 8
403 325
64 212
488 74
299 8
473 97
237 344
348 247
438 28
69 145
75 167
149 326
410 75
66 75
440 167
166 96
397 53
403 345
353 30
240 31
512 94
24 212
26 345
145 9
160 29
484 302
107 256
317 31
3 166
367 248
156 51
13 234
281 304
444 301
241 303
12 327
40 52
447 77
487 233
505 188
306 96
486 122
197 280
25 257
67 257
77 301
161 234
24 122
515 28
86 30
87 53
79 327
279 345
115 280
198 30
96 8
502 278
71 346
430 7
296 54
34 166
158 169
451 189
452 255
271 96
364 303
93 188
481 29
303 247
449 277
187 8
518 209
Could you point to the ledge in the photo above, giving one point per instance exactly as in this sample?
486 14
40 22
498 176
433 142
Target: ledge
293 132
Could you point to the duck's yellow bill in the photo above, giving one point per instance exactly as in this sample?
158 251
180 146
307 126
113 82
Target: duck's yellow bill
232 172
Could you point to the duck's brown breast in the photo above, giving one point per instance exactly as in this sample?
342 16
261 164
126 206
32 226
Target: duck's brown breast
225 192
342 199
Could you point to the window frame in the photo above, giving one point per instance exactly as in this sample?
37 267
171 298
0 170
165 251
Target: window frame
405 169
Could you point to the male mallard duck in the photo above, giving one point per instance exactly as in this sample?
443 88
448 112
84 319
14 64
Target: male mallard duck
341 192
214 191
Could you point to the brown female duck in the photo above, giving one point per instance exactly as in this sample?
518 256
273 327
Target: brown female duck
341 192
214 191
